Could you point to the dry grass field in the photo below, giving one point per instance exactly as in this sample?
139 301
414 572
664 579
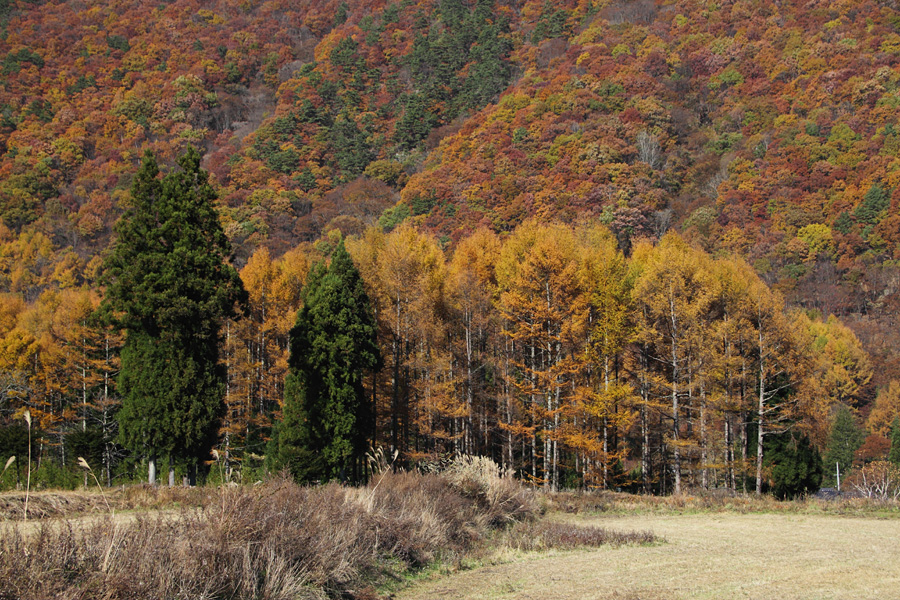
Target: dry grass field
706 555
406 532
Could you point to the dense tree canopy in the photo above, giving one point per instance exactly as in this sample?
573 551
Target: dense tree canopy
795 465
169 288
328 421
548 350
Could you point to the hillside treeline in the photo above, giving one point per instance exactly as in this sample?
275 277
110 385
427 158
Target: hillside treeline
768 131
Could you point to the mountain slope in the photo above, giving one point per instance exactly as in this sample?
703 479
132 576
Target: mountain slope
766 130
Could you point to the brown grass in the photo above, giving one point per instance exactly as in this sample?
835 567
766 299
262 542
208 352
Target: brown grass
274 541
66 504
545 535
45 505
606 502
721 555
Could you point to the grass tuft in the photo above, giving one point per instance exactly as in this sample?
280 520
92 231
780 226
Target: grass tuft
544 535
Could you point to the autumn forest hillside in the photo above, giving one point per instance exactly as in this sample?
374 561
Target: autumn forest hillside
765 135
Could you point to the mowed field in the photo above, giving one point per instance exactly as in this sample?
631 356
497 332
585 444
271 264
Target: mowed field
712 555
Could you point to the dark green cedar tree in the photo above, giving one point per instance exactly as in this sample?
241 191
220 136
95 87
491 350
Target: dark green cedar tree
844 440
894 454
327 421
352 152
876 200
415 123
169 286
795 465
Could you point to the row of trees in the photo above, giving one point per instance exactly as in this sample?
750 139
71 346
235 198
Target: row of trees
547 349
560 358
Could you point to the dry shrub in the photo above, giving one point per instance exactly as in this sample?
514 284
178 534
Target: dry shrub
418 516
878 480
275 541
503 498
151 496
544 535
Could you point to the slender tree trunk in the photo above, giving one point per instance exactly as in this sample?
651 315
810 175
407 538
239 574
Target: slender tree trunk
509 348
761 414
745 442
84 395
107 452
151 470
605 423
729 451
704 442
556 442
760 432
395 396
263 363
676 450
107 446
729 414
645 451
533 411
405 413
745 448
469 382
663 459
645 425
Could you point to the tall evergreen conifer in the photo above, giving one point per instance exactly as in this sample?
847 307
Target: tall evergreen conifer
844 440
327 420
169 286
795 465
894 455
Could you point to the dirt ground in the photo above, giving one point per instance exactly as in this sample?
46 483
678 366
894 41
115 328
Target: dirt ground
717 556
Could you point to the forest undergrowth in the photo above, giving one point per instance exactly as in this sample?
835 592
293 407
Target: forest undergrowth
281 540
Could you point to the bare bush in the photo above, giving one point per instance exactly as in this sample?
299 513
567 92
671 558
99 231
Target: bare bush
648 149
275 541
879 480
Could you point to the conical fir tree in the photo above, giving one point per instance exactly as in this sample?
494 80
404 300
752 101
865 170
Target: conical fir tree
844 440
327 421
169 286
894 454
